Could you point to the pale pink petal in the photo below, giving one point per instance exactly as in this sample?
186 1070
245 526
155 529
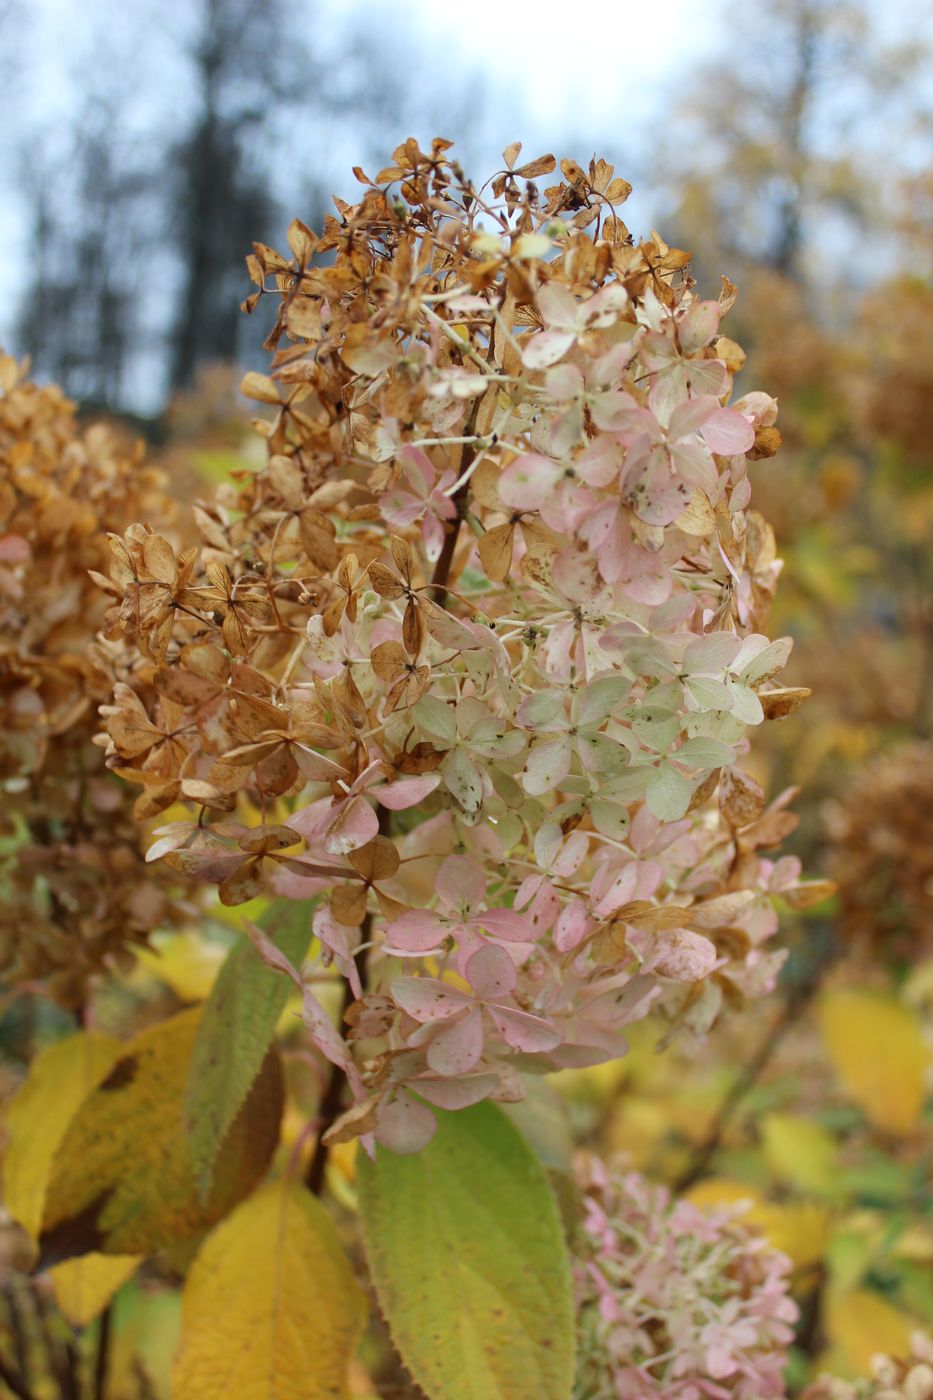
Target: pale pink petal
699 326
529 480
354 825
559 308
491 972
682 955
571 926
708 377
460 1093
523 1031
600 463
432 532
460 883
605 308
728 432
407 792
323 1032
619 892
572 854
546 348
428 999
419 931
688 417
564 382
405 1125
340 941
457 1048
504 923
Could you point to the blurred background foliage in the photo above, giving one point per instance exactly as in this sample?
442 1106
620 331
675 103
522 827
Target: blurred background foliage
793 156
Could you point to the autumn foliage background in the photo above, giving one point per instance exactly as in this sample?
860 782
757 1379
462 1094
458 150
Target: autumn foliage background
813 1104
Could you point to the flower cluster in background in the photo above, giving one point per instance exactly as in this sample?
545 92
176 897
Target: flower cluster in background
902 1378
673 1301
75 888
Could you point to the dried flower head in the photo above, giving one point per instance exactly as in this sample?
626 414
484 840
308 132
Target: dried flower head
894 1378
672 1301
495 600
881 829
76 889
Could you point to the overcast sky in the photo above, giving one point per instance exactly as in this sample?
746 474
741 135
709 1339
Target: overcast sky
595 77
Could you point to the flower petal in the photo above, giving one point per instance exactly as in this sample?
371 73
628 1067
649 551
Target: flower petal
457 1048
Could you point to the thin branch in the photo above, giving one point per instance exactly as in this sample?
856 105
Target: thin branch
332 1098
102 1354
796 1001
14 1382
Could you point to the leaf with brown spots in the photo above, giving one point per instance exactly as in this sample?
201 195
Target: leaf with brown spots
123 1180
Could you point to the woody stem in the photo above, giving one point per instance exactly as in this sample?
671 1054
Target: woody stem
332 1098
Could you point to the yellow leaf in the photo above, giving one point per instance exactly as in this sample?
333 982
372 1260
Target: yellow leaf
877 1049
122 1181
59 1080
185 962
799 1152
800 1231
860 1324
84 1287
270 1309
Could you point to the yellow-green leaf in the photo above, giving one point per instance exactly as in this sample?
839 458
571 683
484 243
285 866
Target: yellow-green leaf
876 1045
467 1253
84 1287
122 1180
236 1031
271 1309
59 1080
800 1153
861 1324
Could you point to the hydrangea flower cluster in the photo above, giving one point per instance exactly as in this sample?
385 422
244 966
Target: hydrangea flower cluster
894 1378
672 1301
471 659
76 890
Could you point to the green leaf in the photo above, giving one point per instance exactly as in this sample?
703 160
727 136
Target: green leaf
236 1030
470 1264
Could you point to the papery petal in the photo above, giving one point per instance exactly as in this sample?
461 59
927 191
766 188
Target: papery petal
312 821
559 308
620 891
405 1125
572 925
504 923
460 883
690 415
546 766
419 931
407 792
546 348
698 326
491 972
458 1047
428 999
527 481
353 826
682 955
728 433
523 1031
339 941
543 709
460 1093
